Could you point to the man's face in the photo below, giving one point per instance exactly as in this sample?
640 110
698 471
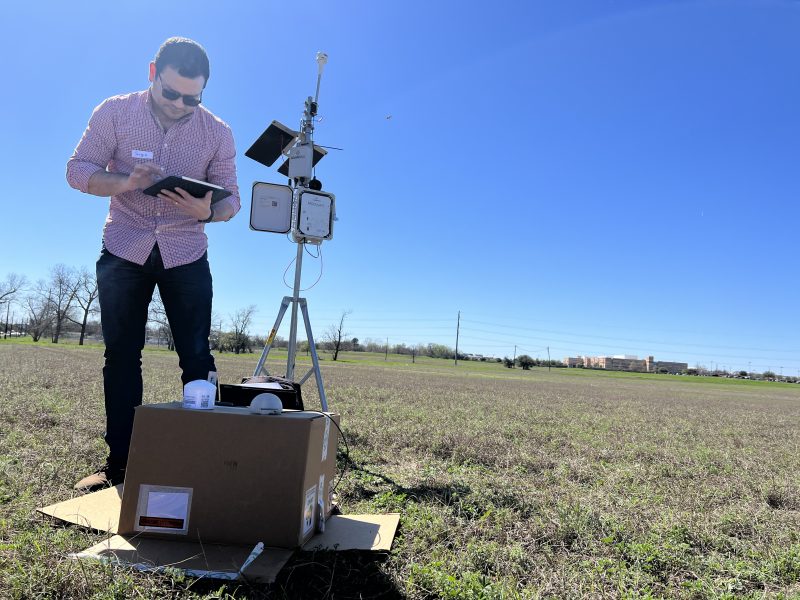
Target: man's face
170 82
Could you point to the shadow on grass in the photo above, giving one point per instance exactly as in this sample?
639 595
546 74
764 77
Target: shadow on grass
349 574
342 575
442 494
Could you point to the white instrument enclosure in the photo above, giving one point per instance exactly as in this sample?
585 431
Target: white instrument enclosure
301 161
271 207
315 215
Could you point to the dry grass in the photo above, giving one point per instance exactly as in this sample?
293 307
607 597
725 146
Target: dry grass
512 484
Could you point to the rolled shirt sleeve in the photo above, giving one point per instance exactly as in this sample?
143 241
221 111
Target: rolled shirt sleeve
95 149
222 168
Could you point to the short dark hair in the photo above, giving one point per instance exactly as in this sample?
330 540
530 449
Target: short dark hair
186 56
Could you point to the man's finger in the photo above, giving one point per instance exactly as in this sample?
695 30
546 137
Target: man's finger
184 194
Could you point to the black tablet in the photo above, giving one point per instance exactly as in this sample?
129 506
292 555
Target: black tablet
195 187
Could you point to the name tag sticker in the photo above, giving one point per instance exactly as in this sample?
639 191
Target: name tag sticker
142 154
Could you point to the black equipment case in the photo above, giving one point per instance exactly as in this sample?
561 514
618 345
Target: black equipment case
240 394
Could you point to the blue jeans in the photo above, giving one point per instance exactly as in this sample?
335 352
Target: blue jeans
125 290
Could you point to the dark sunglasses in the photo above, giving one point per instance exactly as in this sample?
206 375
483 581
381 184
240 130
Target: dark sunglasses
173 95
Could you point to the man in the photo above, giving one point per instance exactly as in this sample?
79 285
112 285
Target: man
133 141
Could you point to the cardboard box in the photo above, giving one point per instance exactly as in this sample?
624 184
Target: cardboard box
228 476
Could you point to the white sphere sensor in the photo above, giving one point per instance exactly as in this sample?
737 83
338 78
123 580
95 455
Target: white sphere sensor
266 404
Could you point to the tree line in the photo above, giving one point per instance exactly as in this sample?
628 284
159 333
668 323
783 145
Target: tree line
66 303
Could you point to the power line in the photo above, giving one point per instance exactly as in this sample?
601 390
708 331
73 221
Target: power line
619 339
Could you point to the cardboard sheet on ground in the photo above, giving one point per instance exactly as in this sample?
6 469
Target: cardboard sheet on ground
207 560
100 511
356 532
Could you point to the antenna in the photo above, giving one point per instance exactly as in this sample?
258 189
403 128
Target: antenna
322 60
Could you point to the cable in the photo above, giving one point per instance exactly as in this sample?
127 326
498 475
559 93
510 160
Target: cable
343 437
289 266
321 266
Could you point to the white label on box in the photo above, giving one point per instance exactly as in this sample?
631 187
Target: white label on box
321 489
308 509
164 509
325 439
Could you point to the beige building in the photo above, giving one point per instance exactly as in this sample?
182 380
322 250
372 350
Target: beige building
625 363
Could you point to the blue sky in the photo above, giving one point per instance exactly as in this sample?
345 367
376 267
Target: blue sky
599 177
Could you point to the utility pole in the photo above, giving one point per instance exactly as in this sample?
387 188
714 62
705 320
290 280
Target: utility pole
548 359
458 329
514 360
386 358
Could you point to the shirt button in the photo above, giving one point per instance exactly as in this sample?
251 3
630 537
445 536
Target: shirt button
158 214
156 230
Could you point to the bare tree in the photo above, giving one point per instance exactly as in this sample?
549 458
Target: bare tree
215 334
158 315
41 313
63 289
85 297
336 334
9 289
239 339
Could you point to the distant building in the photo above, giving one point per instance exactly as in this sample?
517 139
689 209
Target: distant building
625 363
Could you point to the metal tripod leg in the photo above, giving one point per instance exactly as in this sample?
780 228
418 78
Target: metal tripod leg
261 366
314 360
268 346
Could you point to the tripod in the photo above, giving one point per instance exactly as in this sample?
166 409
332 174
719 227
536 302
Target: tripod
296 301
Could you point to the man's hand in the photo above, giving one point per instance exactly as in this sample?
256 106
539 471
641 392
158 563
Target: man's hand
103 183
144 175
199 208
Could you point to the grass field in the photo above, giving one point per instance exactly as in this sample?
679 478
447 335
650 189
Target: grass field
512 484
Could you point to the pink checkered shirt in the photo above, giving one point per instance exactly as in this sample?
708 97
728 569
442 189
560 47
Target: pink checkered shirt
122 132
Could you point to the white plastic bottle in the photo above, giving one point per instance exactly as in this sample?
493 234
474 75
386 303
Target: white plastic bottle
199 395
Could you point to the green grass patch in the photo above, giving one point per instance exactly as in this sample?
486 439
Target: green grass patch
511 484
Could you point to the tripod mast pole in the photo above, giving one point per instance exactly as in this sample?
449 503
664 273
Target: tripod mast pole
290 360
306 133
300 172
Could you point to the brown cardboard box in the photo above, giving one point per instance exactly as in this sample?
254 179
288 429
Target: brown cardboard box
228 476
